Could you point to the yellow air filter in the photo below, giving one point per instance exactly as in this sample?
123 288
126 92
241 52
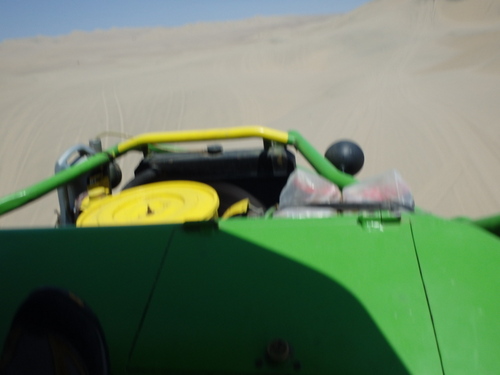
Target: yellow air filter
157 203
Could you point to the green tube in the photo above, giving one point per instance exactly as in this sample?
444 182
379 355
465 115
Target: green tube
21 197
318 162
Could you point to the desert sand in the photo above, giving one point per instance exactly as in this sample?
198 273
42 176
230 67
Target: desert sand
416 83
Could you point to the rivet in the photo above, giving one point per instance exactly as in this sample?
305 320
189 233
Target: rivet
278 351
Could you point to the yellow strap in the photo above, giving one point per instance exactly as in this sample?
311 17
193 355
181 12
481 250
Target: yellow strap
238 208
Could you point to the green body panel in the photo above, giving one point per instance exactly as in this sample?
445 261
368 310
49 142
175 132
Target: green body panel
490 223
345 292
347 299
350 294
460 268
112 269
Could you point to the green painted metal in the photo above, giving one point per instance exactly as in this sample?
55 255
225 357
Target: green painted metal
490 223
318 162
459 264
112 269
354 293
373 263
24 196
19 198
350 301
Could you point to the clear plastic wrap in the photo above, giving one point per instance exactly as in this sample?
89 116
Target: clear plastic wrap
304 188
386 187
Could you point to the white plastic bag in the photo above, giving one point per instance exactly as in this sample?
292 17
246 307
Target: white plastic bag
386 187
304 188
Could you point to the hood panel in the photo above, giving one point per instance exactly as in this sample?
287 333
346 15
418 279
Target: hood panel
345 298
460 269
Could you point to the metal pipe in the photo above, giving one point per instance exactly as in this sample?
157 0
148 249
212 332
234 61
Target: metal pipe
21 197
318 161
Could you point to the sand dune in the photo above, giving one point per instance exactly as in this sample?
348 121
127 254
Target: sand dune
415 83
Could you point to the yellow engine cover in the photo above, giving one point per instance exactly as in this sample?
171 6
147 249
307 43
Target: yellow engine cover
157 203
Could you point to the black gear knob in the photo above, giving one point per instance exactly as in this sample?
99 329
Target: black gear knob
346 156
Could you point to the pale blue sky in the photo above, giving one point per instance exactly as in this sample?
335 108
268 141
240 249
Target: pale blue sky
27 18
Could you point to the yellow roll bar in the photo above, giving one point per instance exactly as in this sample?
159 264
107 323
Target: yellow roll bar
203 135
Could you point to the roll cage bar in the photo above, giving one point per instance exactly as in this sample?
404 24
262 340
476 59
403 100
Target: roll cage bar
293 138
